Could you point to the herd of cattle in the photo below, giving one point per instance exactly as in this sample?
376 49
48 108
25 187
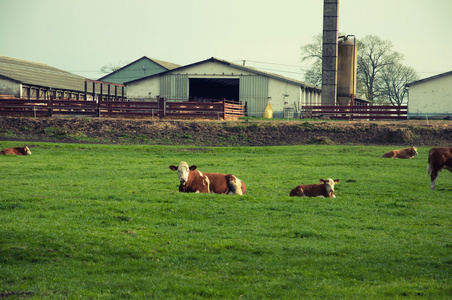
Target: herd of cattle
194 181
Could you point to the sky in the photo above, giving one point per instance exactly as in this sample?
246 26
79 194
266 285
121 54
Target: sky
81 36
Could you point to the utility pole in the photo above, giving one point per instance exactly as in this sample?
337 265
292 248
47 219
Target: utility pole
330 51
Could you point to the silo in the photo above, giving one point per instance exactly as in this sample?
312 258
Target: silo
329 51
346 70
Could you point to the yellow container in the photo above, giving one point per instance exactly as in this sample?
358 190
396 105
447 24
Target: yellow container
268 112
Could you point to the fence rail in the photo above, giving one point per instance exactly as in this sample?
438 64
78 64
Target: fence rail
162 108
355 112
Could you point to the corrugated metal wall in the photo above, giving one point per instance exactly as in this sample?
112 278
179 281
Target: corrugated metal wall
174 87
254 90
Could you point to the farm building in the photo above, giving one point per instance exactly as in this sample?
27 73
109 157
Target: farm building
142 67
431 97
31 80
214 79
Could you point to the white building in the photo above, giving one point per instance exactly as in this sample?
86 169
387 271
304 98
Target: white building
214 79
430 97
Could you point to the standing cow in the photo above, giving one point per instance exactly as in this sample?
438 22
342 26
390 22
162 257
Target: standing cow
402 153
438 159
194 181
323 189
16 151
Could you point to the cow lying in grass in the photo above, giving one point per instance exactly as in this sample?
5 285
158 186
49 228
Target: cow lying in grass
16 151
324 189
438 159
194 181
402 153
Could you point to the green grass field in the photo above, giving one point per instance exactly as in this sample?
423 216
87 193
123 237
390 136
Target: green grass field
107 221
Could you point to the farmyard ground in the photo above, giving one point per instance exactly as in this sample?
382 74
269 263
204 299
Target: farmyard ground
247 132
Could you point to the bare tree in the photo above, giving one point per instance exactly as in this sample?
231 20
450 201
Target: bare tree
314 74
377 64
374 54
313 52
108 68
392 82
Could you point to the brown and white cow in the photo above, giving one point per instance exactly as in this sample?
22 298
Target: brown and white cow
324 189
194 181
438 159
402 153
16 151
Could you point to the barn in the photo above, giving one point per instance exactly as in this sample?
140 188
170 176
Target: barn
32 80
142 67
26 79
214 79
431 97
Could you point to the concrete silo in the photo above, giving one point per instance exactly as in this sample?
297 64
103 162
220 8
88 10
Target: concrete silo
329 51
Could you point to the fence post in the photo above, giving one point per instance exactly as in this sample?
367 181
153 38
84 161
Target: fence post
224 108
351 111
86 90
161 107
98 107
49 106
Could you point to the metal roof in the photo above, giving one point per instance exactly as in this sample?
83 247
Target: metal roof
165 64
38 74
429 78
240 67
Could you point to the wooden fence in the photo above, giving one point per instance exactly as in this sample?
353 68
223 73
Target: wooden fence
162 108
355 112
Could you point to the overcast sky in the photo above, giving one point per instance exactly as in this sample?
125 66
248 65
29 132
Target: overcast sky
81 36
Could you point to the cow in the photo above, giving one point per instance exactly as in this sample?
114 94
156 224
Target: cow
194 181
324 189
16 151
402 153
438 159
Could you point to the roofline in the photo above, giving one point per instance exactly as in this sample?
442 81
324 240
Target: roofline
429 78
244 68
153 60
50 88
157 61
9 78
100 79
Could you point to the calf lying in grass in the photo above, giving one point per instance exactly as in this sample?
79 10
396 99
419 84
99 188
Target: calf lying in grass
16 151
324 189
402 153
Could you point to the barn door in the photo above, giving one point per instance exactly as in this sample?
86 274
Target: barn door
254 90
174 87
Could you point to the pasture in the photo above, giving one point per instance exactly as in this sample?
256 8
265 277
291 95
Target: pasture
107 221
